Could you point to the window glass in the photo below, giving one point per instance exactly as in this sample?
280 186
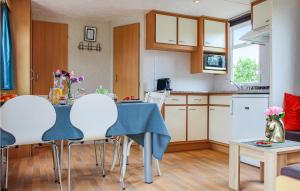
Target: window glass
245 57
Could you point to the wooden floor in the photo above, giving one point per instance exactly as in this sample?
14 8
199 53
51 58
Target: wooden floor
203 170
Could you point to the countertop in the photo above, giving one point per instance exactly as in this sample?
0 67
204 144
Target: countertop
223 92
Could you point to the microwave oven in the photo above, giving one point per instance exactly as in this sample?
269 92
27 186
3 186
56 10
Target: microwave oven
214 62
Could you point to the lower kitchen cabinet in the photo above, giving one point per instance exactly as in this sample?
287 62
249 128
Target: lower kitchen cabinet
175 118
220 123
197 123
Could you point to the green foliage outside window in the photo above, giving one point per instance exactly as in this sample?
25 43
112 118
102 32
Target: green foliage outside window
246 71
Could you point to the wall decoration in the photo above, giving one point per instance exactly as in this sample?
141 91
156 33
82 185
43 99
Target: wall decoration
90 34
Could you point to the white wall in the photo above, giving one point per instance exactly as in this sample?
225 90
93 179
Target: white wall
285 69
95 66
160 64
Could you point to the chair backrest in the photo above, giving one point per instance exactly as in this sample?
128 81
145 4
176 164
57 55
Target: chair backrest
27 118
156 97
93 114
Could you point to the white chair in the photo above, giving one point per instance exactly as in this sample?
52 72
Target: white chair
93 114
27 118
150 97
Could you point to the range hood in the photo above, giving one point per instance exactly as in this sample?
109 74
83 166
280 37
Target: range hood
258 36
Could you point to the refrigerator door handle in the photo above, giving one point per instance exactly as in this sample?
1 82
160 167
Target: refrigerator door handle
231 107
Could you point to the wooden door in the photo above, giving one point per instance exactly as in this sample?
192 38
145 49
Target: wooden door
175 117
49 52
126 60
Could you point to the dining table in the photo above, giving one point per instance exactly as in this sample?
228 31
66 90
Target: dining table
139 121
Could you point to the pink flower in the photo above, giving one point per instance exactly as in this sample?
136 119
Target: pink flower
275 110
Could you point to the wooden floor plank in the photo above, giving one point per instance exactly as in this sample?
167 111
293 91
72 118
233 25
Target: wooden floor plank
204 170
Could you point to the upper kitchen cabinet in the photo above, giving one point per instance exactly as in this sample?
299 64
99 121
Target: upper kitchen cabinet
214 34
212 43
261 13
187 31
169 31
166 29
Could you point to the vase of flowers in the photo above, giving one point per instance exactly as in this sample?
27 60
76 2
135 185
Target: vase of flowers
275 127
70 80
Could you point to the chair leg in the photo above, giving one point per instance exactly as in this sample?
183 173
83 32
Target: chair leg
128 150
58 162
95 148
54 163
116 153
157 166
102 146
1 169
69 166
124 161
6 173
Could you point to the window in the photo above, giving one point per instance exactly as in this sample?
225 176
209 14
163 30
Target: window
244 57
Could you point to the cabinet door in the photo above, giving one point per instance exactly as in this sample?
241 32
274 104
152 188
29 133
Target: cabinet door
166 29
261 14
220 124
175 117
187 32
197 123
214 34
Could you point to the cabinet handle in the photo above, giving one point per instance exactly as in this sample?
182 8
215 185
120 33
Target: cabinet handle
192 109
267 21
231 107
197 99
181 41
212 109
171 40
247 107
181 109
207 42
174 99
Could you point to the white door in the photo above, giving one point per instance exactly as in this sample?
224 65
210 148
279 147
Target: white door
261 14
197 123
187 32
166 29
220 124
175 117
214 34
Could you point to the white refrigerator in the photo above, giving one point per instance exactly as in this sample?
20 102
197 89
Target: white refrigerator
248 118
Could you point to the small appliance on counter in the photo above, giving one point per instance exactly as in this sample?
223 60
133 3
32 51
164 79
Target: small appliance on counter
164 84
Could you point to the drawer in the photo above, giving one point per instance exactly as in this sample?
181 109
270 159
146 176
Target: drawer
221 100
175 99
197 99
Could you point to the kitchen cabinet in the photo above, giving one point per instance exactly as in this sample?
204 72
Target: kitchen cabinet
261 13
214 34
166 29
187 31
175 118
220 121
171 31
197 123
213 40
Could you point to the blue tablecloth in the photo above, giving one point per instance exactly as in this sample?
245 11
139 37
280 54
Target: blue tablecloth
7 138
62 129
134 119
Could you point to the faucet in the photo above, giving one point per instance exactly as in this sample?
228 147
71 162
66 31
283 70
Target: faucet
236 85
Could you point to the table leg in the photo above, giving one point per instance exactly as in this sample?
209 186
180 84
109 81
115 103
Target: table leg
148 158
262 171
270 171
234 166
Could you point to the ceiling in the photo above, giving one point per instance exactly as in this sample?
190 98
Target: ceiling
109 9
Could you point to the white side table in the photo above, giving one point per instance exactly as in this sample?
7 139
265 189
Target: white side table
273 158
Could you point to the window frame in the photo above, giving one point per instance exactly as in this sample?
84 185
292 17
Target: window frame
232 47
